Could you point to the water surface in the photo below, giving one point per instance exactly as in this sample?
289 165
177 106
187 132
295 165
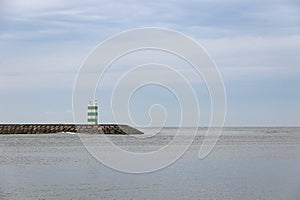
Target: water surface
247 163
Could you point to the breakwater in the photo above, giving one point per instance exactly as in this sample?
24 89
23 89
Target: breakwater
56 128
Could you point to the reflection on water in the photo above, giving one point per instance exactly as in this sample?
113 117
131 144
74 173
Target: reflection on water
247 163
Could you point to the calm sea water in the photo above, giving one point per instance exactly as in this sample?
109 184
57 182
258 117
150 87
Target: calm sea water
247 163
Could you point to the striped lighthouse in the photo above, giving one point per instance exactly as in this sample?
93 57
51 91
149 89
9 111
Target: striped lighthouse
92 113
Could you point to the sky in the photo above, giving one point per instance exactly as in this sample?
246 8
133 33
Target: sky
254 44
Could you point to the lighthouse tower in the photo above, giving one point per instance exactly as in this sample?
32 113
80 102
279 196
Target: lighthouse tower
92 117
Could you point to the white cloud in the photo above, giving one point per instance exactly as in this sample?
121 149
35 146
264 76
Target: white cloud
29 5
261 52
36 81
253 44
43 43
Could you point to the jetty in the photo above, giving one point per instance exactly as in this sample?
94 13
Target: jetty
74 128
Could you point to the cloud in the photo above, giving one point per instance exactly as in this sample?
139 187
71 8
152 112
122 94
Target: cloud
260 52
43 43
35 82
28 5
73 20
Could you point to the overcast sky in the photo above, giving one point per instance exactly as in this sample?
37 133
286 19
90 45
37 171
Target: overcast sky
255 44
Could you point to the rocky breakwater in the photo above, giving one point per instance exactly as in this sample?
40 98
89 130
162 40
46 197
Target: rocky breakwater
57 128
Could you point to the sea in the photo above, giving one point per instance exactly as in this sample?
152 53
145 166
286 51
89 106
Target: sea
246 163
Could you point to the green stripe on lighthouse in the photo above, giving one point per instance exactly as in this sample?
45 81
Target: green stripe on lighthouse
92 114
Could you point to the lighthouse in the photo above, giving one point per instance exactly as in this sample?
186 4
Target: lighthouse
92 117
